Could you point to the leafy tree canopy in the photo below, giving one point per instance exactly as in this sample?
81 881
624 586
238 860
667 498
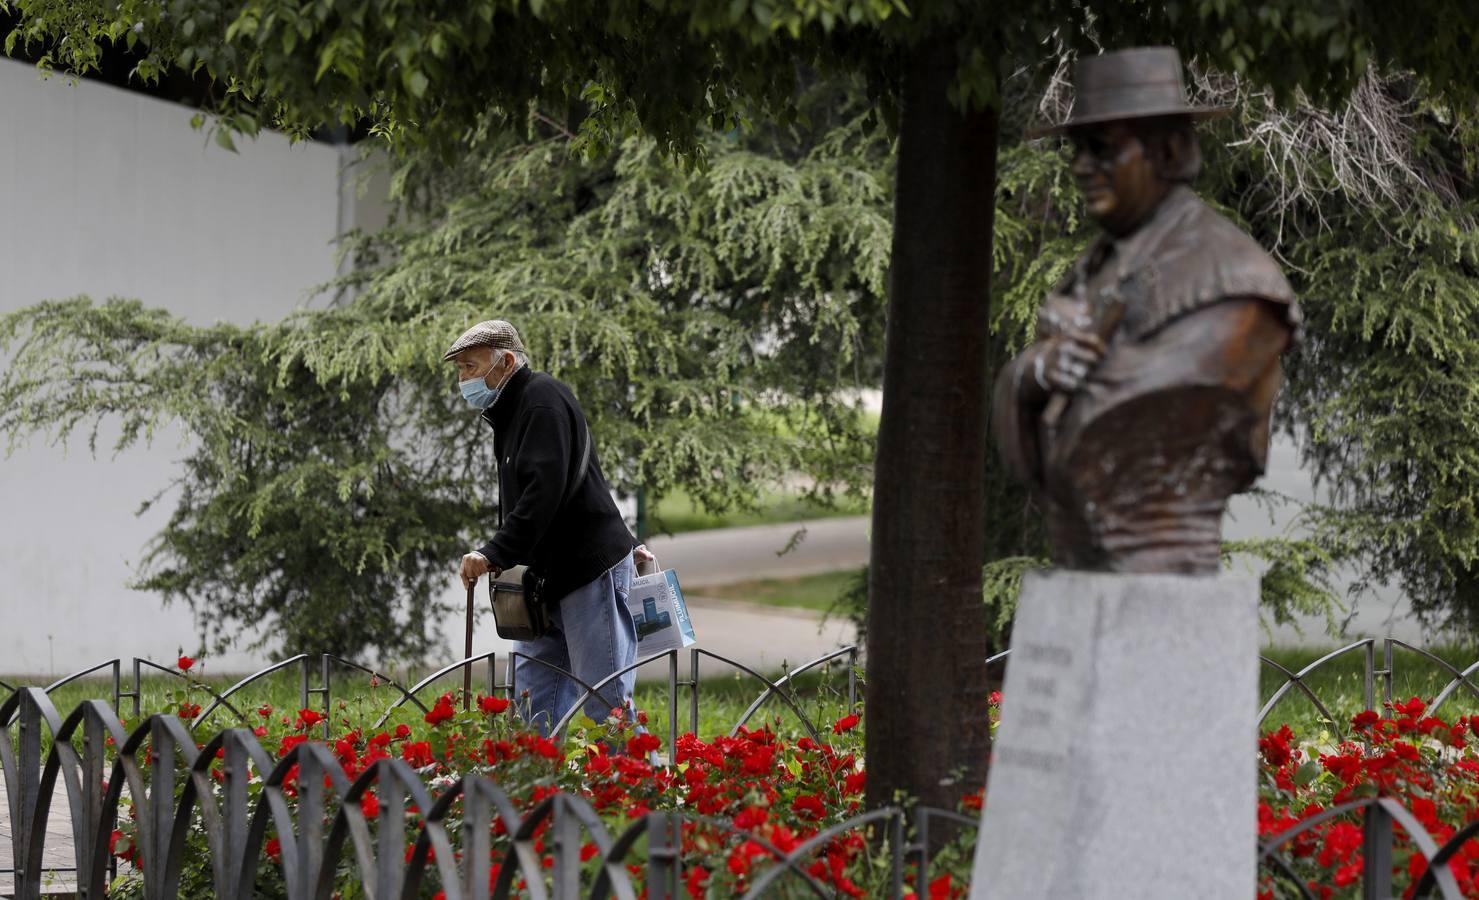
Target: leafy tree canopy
420 74
707 321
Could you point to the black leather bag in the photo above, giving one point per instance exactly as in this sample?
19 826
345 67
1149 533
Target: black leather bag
521 612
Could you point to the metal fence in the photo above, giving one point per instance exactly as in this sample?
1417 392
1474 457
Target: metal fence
235 828
318 673
329 826
1374 675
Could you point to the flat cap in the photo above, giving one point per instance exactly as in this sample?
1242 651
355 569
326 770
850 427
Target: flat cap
494 333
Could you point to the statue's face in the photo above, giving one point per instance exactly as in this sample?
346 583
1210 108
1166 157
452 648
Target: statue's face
1120 182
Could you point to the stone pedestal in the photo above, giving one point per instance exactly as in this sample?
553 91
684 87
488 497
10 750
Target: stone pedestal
1125 763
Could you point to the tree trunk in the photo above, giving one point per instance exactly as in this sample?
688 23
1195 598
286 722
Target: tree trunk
927 732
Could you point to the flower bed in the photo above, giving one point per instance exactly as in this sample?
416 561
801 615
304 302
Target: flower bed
779 792
1425 763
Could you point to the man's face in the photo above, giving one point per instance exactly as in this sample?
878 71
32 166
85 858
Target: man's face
482 362
1119 180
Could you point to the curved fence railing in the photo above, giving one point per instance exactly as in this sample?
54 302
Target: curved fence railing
1381 816
320 823
181 791
1378 677
317 675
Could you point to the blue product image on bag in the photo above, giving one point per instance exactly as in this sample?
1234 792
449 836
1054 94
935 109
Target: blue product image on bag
649 620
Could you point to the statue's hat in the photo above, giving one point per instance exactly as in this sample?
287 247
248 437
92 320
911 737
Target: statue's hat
1138 83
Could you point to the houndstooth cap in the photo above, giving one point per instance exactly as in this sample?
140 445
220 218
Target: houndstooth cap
494 333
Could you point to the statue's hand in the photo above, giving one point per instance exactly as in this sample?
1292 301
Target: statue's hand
1067 360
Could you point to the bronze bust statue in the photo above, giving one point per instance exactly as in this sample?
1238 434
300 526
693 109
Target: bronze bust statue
1145 401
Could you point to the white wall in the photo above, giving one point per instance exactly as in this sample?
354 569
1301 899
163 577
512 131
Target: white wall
110 193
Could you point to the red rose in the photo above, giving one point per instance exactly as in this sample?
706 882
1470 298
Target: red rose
695 881
402 731
940 887
808 806
846 723
308 718
492 705
185 663
642 744
441 711
418 754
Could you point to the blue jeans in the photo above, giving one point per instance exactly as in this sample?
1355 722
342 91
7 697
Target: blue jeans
591 636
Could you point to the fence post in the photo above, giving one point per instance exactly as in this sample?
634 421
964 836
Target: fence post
328 691
693 691
1368 693
1377 847
672 707
566 851
662 856
852 679
138 690
896 858
922 845
1386 677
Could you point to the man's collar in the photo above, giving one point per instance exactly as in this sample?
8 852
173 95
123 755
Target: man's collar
498 414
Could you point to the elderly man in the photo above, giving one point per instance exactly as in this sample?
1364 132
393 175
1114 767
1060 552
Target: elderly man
1146 400
556 517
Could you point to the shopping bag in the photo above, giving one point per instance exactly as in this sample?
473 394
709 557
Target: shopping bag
659 611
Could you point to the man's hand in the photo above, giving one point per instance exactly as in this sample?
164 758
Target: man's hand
640 554
474 566
1067 360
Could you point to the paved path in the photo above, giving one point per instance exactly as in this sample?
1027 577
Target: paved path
56 852
765 638
730 555
759 636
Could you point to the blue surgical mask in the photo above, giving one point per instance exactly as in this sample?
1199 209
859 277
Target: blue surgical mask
477 393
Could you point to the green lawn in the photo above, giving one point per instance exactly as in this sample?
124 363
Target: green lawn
723 698
678 513
816 592
1340 683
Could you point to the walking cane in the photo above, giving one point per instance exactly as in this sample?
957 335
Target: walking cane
467 655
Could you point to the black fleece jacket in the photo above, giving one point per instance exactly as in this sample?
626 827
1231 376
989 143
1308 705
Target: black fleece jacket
538 434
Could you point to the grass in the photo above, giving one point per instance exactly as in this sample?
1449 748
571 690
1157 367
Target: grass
723 698
815 592
1340 683
677 512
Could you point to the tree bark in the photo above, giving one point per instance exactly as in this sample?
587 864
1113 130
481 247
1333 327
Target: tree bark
927 733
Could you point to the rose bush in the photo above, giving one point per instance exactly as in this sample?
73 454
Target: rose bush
776 791
1426 763
779 791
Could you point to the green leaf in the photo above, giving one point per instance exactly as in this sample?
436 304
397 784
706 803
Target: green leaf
1307 773
417 83
223 138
